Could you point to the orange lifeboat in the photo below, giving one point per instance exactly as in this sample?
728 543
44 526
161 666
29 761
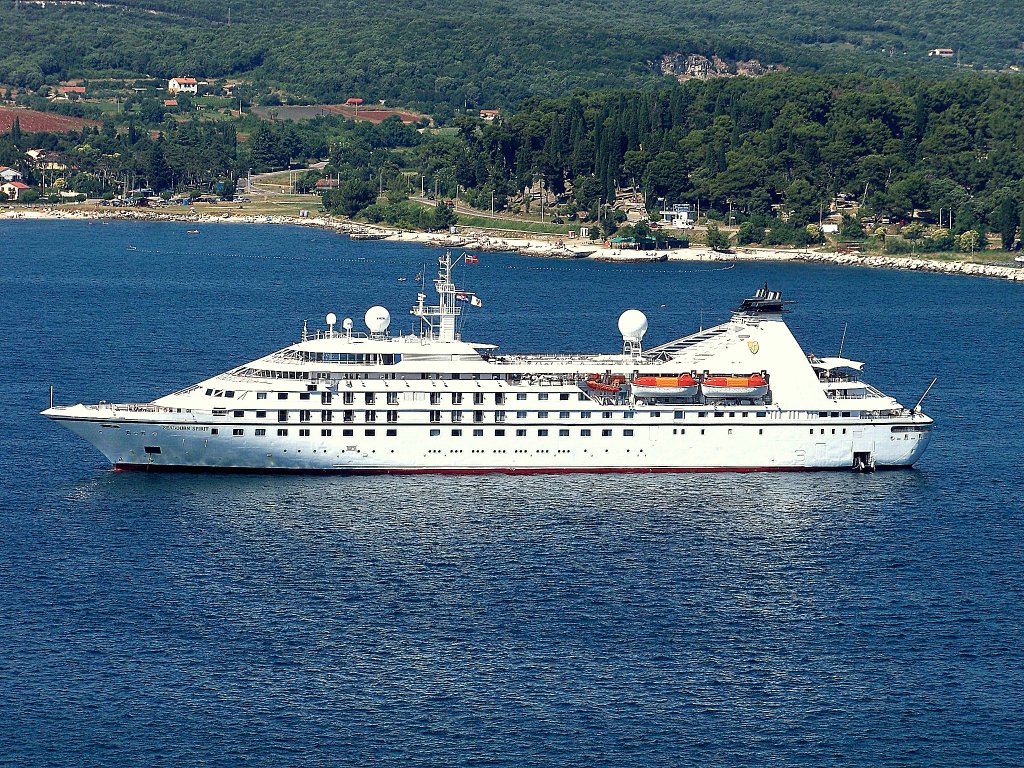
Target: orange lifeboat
665 386
735 386
608 385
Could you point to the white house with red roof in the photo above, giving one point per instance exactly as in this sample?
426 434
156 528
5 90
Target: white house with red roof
13 189
183 85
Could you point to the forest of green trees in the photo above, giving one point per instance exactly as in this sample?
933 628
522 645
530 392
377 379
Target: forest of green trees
784 144
438 57
775 151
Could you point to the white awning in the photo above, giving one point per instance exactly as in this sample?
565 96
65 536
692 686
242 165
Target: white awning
830 363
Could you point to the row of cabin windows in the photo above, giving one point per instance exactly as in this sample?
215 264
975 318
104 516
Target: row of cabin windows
348 398
540 433
458 416
283 432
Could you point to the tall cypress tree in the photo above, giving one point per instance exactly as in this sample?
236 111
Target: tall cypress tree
1005 220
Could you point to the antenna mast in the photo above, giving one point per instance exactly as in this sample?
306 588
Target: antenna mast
438 321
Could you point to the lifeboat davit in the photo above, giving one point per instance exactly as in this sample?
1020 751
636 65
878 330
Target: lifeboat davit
665 386
735 386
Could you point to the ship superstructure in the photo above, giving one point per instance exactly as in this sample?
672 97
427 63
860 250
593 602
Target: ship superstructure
739 396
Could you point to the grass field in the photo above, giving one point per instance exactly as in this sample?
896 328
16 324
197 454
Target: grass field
513 225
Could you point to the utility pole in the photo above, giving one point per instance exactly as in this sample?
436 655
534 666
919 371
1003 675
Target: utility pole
492 202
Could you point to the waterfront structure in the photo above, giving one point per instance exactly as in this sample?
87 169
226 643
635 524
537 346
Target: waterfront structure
739 396
680 215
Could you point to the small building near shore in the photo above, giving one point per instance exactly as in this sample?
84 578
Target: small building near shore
14 189
680 216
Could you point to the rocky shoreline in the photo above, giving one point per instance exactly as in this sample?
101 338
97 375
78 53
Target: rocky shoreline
558 249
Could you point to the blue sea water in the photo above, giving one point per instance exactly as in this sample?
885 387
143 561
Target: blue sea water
791 619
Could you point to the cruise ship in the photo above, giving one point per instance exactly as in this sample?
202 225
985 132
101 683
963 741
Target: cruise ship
740 396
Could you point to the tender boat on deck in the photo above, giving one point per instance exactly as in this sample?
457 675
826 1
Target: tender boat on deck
665 386
735 387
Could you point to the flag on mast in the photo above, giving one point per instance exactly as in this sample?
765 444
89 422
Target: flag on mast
472 298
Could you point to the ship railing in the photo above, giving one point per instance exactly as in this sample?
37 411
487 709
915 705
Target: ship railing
887 413
535 360
832 378
547 380
846 395
132 407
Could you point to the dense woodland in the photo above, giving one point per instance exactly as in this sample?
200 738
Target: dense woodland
439 57
784 144
775 151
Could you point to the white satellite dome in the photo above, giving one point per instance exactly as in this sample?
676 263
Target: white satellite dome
377 319
347 324
331 318
633 324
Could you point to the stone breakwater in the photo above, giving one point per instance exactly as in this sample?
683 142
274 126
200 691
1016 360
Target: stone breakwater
918 265
541 248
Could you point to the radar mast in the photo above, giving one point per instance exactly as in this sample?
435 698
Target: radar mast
437 321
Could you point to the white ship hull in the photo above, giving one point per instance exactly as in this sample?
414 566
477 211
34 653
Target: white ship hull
687 445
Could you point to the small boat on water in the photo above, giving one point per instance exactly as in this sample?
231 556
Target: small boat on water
131 248
665 386
751 386
192 232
